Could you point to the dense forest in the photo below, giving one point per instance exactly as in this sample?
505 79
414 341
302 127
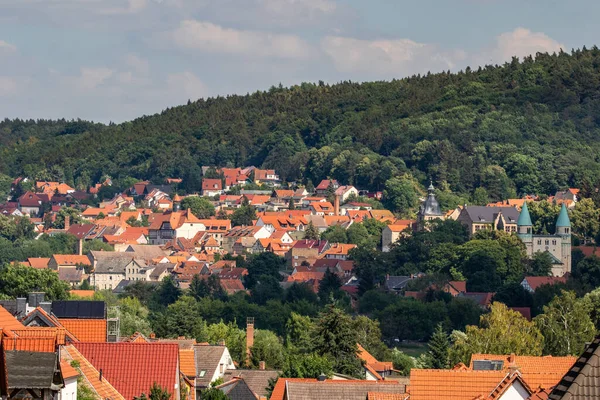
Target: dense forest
529 126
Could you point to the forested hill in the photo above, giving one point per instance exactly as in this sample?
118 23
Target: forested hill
524 127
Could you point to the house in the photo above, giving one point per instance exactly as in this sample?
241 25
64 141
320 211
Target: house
344 192
355 206
532 283
212 187
70 375
266 176
38 262
332 389
374 370
477 218
59 261
51 188
396 283
567 197
306 250
323 186
71 275
238 382
244 237
339 251
392 233
30 203
130 368
109 268
321 208
211 363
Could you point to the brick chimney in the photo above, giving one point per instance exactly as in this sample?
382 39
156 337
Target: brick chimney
152 335
67 222
249 338
336 205
262 365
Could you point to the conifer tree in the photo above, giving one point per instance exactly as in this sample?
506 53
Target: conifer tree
311 232
438 354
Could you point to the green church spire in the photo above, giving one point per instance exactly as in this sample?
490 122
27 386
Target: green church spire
524 217
563 220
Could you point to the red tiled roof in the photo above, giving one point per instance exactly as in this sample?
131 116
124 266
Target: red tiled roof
187 362
386 396
132 368
537 281
86 330
8 321
67 371
435 384
212 184
82 293
550 369
38 262
68 259
324 184
279 389
524 311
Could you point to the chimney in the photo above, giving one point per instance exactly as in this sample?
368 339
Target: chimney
337 205
153 335
262 365
80 247
222 342
67 222
46 306
100 377
21 306
249 338
512 364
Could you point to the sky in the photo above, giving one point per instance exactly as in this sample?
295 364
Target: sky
116 60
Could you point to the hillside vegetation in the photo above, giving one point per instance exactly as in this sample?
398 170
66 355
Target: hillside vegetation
524 127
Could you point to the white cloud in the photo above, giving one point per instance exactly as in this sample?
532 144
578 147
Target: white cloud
91 78
140 65
8 86
5 46
188 84
210 37
390 58
522 42
133 7
297 8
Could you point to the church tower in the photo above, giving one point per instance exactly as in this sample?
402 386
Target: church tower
563 229
430 209
525 229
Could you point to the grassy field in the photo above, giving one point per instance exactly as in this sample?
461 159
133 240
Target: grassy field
412 349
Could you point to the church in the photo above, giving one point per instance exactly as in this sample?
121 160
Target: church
557 245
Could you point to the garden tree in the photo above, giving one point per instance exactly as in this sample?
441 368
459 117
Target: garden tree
402 362
181 318
566 325
245 215
463 312
335 234
410 319
369 336
502 331
199 206
585 220
540 264
311 365
480 197
400 195
543 215
5 184
374 228
592 302
143 291
213 394
357 233
460 351
330 192
268 348
157 392
17 281
202 287
334 337
298 333
133 317
73 214
514 295
267 288
16 228
368 267
587 271
374 300
437 356
234 338
62 243
96 245
167 293
544 294
329 286
300 292
311 232
481 270
134 222
291 204
266 263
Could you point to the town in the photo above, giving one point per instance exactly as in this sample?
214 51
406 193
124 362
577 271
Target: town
259 288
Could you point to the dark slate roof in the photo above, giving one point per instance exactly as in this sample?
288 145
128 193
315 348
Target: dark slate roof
256 379
28 370
108 262
207 359
70 274
583 379
488 214
396 282
237 389
168 189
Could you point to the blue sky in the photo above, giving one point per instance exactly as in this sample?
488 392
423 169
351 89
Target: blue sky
115 60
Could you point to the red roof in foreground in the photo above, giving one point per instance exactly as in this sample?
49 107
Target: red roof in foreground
132 368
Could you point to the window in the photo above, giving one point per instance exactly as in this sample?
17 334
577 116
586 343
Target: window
547 242
566 230
554 242
540 242
202 373
220 368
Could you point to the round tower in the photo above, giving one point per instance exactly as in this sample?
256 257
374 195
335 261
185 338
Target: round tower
525 229
563 229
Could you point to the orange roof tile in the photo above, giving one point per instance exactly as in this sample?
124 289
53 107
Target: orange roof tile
70 259
435 384
91 375
38 262
187 362
132 368
8 321
386 396
67 371
531 364
86 330
82 293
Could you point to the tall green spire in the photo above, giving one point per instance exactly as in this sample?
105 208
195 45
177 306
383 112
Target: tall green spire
524 217
563 220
